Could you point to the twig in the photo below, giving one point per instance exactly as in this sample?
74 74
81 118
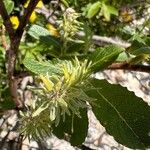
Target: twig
55 8
22 74
15 42
6 18
25 18
127 66
15 38
102 39
49 14
11 52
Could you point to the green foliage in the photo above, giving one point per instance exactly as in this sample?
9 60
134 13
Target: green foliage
43 34
124 115
93 10
74 129
40 68
35 123
62 63
102 57
107 11
60 93
9 4
102 8
139 47
6 102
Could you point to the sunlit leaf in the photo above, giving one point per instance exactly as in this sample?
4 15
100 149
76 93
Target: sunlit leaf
41 68
102 57
93 10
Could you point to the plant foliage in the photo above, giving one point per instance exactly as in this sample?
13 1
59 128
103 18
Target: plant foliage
61 47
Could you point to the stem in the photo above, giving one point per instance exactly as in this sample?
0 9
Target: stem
127 66
6 19
11 62
15 38
99 40
27 13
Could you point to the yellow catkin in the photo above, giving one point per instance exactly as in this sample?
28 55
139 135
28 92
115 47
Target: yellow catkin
15 21
53 31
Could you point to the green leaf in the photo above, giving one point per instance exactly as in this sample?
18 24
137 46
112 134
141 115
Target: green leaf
108 10
65 3
112 10
43 35
138 59
124 56
103 57
125 116
146 23
75 127
40 68
138 48
93 10
9 4
105 12
39 111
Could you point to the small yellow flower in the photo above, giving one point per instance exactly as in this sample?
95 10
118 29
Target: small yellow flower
26 4
40 4
15 21
33 17
53 31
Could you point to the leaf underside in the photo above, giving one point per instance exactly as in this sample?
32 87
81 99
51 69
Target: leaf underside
125 116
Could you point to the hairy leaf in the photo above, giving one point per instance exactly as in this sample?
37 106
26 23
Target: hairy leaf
43 35
103 57
74 128
124 115
41 68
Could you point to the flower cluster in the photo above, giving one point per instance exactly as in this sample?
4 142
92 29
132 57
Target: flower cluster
57 96
69 25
